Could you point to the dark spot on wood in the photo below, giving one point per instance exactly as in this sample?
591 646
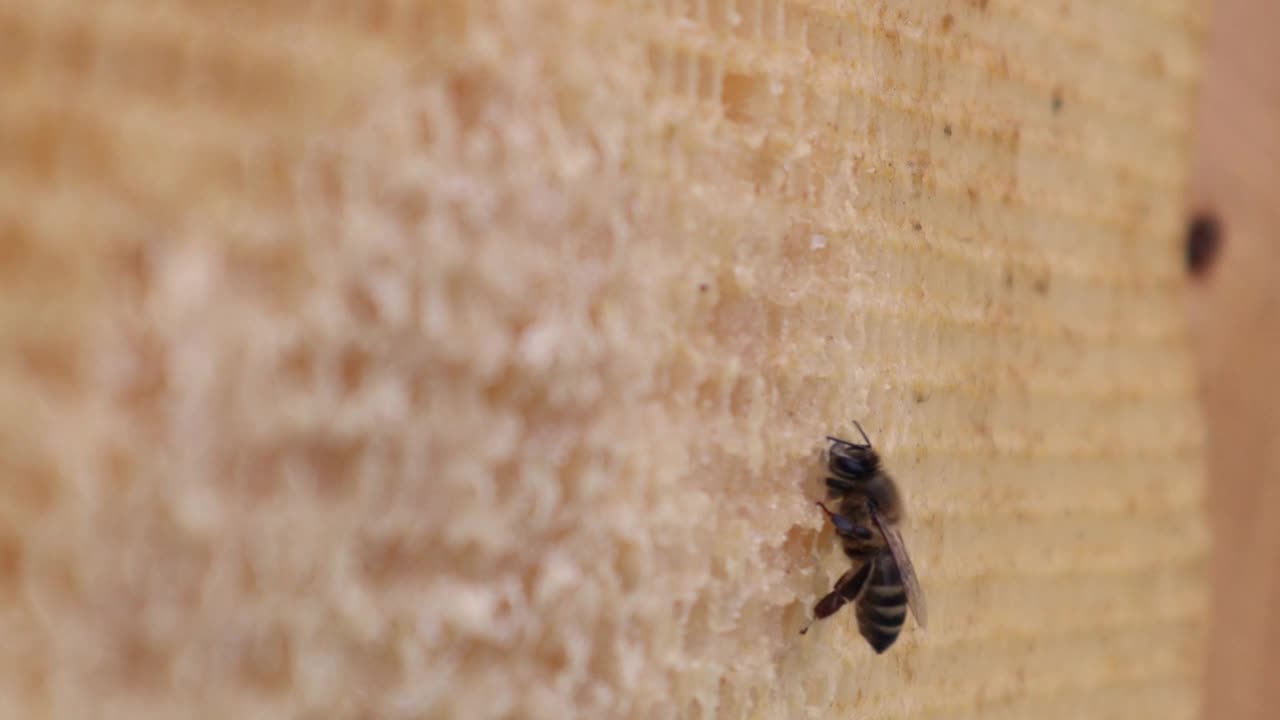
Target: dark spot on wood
919 396
1008 278
1041 284
1204 241
973 193
916 226
12 560
946 130
982 4
354 363
702 287
947 22
741 95
1056 101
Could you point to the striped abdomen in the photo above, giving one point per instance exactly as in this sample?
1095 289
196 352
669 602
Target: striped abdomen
882 608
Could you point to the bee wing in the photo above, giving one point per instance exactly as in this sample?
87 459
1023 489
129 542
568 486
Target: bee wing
915 596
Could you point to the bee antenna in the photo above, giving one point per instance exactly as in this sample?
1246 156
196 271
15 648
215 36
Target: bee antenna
866 440
862 432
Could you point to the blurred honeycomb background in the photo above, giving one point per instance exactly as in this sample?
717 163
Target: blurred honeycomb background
472 359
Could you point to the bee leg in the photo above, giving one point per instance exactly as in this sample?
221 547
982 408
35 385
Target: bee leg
837 488
846 590
846 527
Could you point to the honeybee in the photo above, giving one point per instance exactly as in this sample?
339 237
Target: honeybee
882 582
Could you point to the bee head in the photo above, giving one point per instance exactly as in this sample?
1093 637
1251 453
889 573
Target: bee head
853 461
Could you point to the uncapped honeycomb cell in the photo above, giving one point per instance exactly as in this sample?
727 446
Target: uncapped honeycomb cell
474 359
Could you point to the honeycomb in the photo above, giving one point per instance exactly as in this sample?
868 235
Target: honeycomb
472 359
